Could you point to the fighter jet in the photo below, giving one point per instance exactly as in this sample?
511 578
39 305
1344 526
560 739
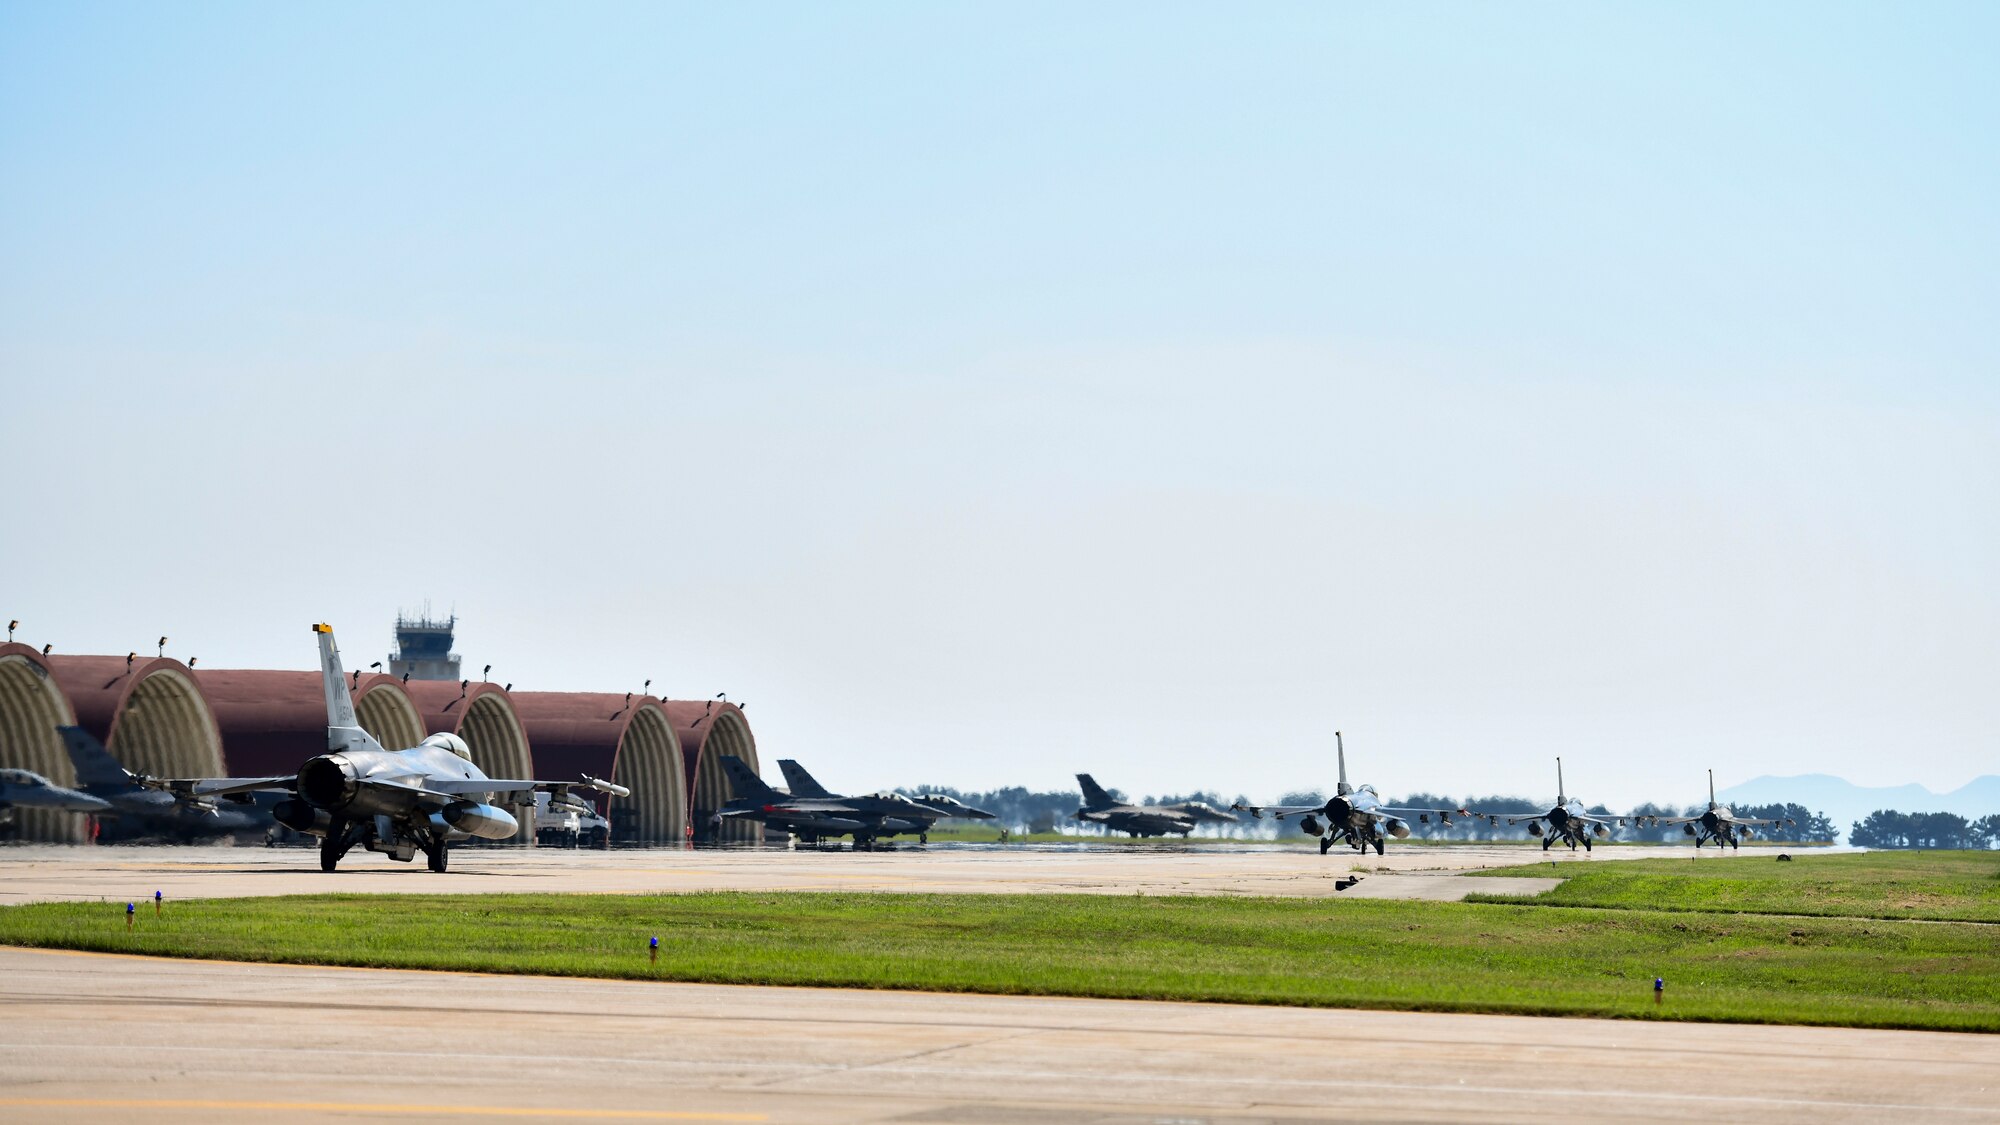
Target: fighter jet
25 789
1357 816
952 806
803 784
145 810
1567 820
397 802
1718 825
811 813
1143 820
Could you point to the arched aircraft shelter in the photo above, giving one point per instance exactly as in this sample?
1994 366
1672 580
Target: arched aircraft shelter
150 712
708 732
32 706
625 739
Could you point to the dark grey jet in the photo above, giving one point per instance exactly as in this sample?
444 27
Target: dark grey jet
1567 820
25 789
1356 816
1099 807
397 802
143 810
816 814
803 784
1718 825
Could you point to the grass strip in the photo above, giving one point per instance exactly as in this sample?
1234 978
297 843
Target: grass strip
1938 885
1357 953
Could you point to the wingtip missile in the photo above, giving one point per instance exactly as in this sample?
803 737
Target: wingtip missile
602 785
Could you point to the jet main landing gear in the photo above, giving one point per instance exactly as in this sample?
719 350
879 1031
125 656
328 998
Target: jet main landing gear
332 846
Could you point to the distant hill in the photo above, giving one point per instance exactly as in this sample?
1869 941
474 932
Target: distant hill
1846 802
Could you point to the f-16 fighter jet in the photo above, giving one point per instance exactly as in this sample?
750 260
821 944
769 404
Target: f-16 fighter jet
25 789
1567 820
803 784
1718 825
1356 816
1143 820
397 802
811 813
145 809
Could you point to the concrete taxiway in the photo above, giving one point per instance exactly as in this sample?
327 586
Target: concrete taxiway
43 873
91 1037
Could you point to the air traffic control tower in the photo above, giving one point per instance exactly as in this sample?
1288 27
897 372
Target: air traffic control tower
423 648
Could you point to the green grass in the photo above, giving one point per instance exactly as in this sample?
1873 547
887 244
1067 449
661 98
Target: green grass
1353 953
1939 885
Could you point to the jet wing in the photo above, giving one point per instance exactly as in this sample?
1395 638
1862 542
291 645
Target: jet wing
1278 812
1381 812
1745 820
474 786
220 786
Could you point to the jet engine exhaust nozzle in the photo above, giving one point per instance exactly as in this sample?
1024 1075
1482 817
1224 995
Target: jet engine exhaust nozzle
329 782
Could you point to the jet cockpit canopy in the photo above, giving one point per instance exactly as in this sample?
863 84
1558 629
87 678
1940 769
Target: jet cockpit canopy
449 742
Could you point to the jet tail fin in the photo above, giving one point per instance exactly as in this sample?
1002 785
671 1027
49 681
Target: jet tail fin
743 781
1094 795
1340 752
343 729
1561 793
801 783
95 767
1711 787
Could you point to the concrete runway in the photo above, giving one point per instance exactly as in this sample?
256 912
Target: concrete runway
41 873
92 1037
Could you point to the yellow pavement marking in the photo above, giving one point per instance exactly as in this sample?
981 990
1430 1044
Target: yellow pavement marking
393 1108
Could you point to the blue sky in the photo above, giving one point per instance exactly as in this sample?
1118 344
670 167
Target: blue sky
992 392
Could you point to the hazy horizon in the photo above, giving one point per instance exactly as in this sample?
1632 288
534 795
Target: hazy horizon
985 394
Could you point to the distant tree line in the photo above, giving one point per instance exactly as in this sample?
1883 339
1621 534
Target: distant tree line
1887 828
